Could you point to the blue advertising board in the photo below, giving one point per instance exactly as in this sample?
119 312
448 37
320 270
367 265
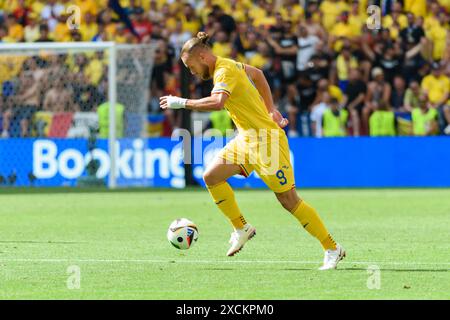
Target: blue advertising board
331 162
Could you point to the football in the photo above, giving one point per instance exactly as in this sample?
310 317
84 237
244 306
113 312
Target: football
182 233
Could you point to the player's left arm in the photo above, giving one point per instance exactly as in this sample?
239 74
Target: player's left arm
263 88
214 102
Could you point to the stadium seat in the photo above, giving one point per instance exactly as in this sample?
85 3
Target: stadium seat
60 125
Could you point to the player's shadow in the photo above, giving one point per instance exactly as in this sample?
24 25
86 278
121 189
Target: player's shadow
237 268
396 270
365 269
339 269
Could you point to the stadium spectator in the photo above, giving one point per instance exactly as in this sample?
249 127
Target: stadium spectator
220 122
335 120
412 96
340 32
307 46
62 33
438 35
356 19
285 45
15 29
312 24
262 59
324 86
4 38
304 51
244 43
87 6
105 20
103 119
75 36
154 14
398 94
414 60
378 91
344 62
226 21
395 21
221 46
178 37
189 20
354 98
317 112
424 118
89 27
413 33
59 98
26 103
330 10
382 122
87 96
437 87
51 12
22 12
416 7
44 34
31 30
432 19
141 24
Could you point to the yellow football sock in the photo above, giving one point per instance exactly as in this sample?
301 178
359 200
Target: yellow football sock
223 196
311 221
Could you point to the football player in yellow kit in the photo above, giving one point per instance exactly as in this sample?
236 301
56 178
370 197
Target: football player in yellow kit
261 144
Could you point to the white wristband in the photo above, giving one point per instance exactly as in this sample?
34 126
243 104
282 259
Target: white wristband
176 102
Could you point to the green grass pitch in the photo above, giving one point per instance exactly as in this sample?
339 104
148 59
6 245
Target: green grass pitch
117 242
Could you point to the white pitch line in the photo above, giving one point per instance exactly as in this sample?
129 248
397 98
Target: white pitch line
409 263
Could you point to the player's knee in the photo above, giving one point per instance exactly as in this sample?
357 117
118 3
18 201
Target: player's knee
288 199
210 178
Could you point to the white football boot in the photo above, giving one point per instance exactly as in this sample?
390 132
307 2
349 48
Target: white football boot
332 258
239 237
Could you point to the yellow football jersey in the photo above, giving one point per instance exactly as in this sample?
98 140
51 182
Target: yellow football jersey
244 104
268 154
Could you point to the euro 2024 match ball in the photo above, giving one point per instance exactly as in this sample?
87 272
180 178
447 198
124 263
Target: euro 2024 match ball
182 233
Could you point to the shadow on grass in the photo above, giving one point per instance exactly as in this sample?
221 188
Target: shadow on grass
237 268
397 270
381 269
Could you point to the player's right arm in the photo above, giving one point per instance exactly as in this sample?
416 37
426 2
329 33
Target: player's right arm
214 102
263 88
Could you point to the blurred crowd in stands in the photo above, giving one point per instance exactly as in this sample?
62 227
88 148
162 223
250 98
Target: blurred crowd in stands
335 68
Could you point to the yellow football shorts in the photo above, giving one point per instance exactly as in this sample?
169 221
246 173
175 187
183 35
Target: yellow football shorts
270 160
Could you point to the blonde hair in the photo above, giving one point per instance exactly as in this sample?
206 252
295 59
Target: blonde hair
200 41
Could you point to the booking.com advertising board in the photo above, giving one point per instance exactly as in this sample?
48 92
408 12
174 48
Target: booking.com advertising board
331 162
